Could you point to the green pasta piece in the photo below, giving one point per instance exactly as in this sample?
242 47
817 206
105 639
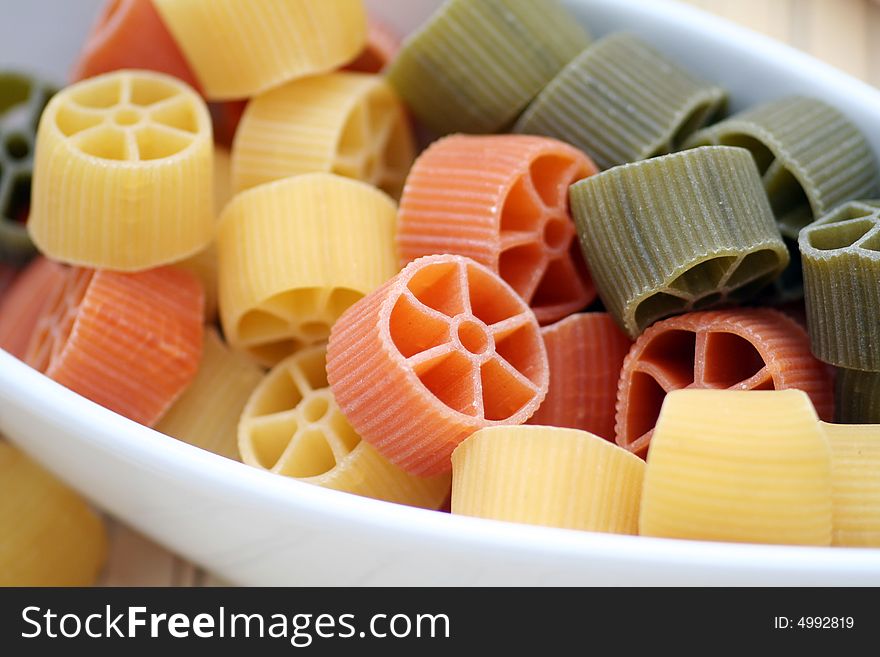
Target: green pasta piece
476 64
857 397
841 261
622 101
812 158
22 100
677 233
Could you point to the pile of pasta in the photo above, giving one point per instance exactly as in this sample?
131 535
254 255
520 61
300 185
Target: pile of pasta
546 275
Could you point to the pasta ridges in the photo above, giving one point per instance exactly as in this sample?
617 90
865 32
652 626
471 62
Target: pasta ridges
22 305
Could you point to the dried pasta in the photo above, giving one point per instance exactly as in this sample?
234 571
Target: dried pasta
585 353
278 292
130 34
50 536
503 201
442 349
124 173
547 476
745 467
22 99
841 261
293 426
239 49
22 305
207 413
855 484
686 242
476 64
381 48
810 156
857 397
744 349
622 101
155 318
351 124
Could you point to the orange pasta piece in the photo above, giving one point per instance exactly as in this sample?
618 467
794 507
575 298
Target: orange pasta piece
586 355
738 349
7 275
129 342
503 201
131 34
382 46
226 117
441 350
21 306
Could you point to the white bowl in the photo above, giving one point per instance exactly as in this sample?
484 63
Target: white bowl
255 528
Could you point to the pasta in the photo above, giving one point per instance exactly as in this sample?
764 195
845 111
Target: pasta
503 201
442 349
686 242
744 349
206 414
130 34
382 46
22 99
155 318
476 64
278 292
841 261
750 467
124 174
586 355
50 536
858 397
547 476
21 306
240 49
293 426
226 117
622 101
7 276
811 157
351 124
855 484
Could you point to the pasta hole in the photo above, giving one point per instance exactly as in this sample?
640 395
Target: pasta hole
315 408
521 348
145 92
703 278
490 302
520 266
849 212
127 117
314 331
730 359
700 116
344 431
839 236
179 115
503 395
560 284
473 337
708 301
558 233
521 212
413 331
439 287
452 382
279 394
309 455
156 144
551 178
354 139
673 352
762 155
872 243
273 351
70 121
18 147
269 441
340 300
398 153
754 265
643 406
256 325
312 364
657 306
101 94
106 144
787 197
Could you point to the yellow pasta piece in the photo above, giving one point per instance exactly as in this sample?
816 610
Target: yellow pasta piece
295 254
239 49
123 173
855 483
351 124
547 476
48 534
293 426
741 466
207 414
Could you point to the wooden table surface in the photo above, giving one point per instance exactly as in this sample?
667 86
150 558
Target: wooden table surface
845 33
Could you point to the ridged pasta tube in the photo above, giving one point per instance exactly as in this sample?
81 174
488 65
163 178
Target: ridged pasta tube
744 467
22 305
858 397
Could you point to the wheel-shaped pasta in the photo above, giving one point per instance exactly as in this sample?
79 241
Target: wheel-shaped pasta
622 101
22 305
22 99
476 64
841 260
351 124
746 349
857 397
130 34
381 48
685 242
123 175
810 156
548 476
239 49
442 349
502 200
50 536
855 483
746 467
155 319
586 355
293 426
278 292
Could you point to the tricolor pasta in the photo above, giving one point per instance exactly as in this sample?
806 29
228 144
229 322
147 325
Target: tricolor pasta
855 484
